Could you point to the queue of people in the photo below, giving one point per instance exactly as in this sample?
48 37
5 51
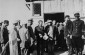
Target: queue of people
22 40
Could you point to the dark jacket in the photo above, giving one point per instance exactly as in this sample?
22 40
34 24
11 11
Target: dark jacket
54 31
68 28
31 33
5 35
38 31
77 28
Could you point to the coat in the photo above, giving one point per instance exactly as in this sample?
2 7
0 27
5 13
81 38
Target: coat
77 28
23 36
68 28
13 42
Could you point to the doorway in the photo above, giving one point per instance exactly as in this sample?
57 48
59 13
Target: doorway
59 17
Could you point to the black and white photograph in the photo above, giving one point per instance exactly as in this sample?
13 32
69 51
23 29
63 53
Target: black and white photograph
42 27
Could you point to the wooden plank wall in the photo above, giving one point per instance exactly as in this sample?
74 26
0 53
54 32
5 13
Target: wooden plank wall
68 6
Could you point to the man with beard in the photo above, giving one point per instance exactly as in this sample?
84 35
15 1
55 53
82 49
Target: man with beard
39 32
77 34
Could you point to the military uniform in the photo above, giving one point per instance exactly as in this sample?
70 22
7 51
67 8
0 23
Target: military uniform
77 29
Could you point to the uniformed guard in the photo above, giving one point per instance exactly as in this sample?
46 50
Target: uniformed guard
67 32
39 32
77 33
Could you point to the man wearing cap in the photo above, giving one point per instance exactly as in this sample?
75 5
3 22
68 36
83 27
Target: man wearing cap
67 32
5 35
13 39
31 34
49 33
23 32
18 26
77 33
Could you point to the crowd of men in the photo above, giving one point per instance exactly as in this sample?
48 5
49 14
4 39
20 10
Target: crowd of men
65 36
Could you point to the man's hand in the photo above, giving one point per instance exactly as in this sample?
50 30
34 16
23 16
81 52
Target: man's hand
70 36
2 40
31 41
2 45
83 37
55 38
64 37
18 39
40 35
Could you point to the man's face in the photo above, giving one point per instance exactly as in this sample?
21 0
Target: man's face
67 18
7 24
0 24
29 23
77 17
54 22
40 23
49 23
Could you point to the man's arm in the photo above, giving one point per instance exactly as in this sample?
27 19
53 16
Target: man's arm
2 39
83 28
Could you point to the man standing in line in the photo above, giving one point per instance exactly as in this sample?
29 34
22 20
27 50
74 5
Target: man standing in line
31 35
5 35
67 32
24 37
50 35
18 36
39 32
54 32
13 39
77 34
1 39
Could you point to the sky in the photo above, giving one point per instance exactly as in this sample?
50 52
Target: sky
14 10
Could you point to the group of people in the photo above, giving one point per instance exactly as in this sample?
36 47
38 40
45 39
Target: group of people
74 34
22 40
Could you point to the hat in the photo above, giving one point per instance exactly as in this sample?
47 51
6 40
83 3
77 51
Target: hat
77 15
23 22
49 21
67 16
30 20
15 21
1 21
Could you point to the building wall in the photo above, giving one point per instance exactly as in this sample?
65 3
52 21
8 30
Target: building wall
16 9
67 6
